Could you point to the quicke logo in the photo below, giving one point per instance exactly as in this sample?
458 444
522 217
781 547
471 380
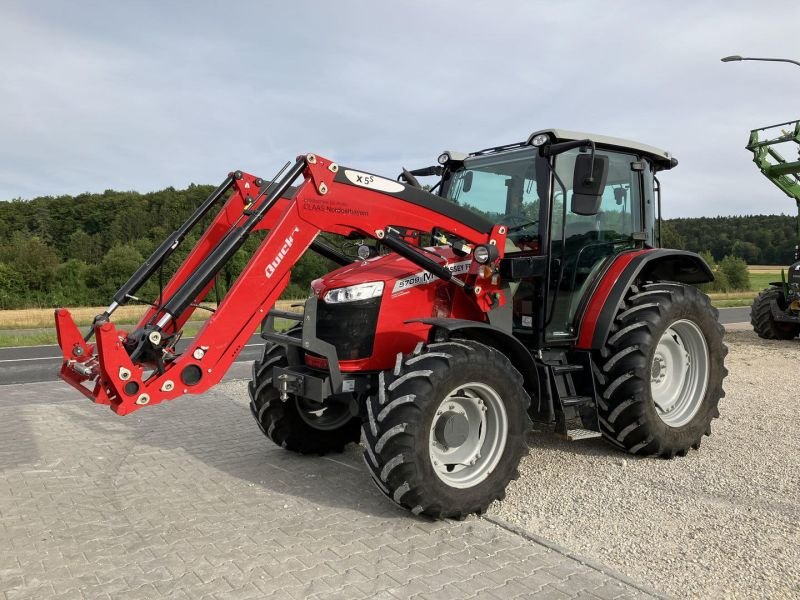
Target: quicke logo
272 266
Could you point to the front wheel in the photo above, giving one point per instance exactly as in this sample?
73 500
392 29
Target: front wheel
662 371
446 431
761 318
297 424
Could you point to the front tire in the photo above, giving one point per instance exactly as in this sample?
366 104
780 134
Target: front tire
297 424
446 432
661 371
761 316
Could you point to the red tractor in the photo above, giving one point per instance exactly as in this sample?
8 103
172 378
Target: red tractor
526 284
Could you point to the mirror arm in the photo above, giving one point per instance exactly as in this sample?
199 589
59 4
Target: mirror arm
591 166
558 148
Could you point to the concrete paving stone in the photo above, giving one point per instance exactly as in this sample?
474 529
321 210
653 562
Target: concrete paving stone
186 500
70 594
548 592
27 592
610 590
248 591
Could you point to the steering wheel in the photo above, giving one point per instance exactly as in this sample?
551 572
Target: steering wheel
517 222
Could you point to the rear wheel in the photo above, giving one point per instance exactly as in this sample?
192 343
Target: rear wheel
761 316
662 371
297 424
446 431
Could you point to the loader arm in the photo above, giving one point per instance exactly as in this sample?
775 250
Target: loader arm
130 370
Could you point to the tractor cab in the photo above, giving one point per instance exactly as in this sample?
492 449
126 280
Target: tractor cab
559 237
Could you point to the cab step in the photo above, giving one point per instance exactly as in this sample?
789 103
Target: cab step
574 435
576 400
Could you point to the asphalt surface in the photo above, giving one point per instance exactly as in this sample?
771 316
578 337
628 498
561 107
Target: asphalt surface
33 364
41 363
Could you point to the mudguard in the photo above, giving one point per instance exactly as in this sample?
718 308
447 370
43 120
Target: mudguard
651 264
495 337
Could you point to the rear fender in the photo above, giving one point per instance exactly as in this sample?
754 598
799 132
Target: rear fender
653 264
498 339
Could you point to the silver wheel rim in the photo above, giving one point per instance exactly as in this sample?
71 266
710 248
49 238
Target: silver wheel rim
679 373
478 414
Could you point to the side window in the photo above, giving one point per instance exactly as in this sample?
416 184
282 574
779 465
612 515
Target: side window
588 240
620 208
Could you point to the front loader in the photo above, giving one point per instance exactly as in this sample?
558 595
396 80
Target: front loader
775 312
528 284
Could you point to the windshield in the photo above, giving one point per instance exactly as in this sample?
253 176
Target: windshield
504 188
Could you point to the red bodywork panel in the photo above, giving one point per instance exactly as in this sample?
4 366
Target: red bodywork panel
105 373
409 293
601 295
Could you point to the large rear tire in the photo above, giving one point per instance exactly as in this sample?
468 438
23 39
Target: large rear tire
446 432
764 324
297 424
661 371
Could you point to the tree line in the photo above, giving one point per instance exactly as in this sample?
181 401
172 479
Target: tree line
78 250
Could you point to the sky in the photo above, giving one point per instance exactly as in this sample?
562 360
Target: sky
142 95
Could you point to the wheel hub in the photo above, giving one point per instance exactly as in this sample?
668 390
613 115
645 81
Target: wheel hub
452 429
327 416
468 435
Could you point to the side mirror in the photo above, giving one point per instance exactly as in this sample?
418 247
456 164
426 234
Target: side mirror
588 183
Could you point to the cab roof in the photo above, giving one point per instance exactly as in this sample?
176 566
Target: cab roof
662 158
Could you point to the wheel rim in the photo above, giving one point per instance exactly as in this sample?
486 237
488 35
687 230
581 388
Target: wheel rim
326 416
468 435
679 373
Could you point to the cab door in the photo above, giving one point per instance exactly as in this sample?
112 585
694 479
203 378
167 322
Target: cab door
580 246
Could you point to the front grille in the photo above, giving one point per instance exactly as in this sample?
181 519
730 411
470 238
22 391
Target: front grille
349 326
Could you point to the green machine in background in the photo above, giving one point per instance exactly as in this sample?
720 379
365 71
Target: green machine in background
775 313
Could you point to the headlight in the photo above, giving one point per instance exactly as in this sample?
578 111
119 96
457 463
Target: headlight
362 291
364 252
540 140
485 253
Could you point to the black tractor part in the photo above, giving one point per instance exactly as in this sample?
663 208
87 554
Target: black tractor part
763 318
661 371
297 424
446 431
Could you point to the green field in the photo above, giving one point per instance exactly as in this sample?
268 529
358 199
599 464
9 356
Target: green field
760 278
33 327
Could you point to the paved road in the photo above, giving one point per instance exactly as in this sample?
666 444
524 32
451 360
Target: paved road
734 315
41 363
188 500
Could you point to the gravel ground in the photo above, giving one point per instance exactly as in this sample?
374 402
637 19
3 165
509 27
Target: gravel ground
721 522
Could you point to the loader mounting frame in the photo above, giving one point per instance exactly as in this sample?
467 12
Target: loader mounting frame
130 370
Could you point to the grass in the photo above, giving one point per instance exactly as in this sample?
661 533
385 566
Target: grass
42 318
38 318
760 278
35 327
39 338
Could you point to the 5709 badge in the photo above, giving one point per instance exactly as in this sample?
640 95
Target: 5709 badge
425 277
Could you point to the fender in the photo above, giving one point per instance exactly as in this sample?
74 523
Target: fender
656 264
490 335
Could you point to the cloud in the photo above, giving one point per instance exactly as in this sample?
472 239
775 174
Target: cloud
140 96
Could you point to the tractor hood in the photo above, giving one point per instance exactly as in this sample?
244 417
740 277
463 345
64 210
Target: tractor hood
397 273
